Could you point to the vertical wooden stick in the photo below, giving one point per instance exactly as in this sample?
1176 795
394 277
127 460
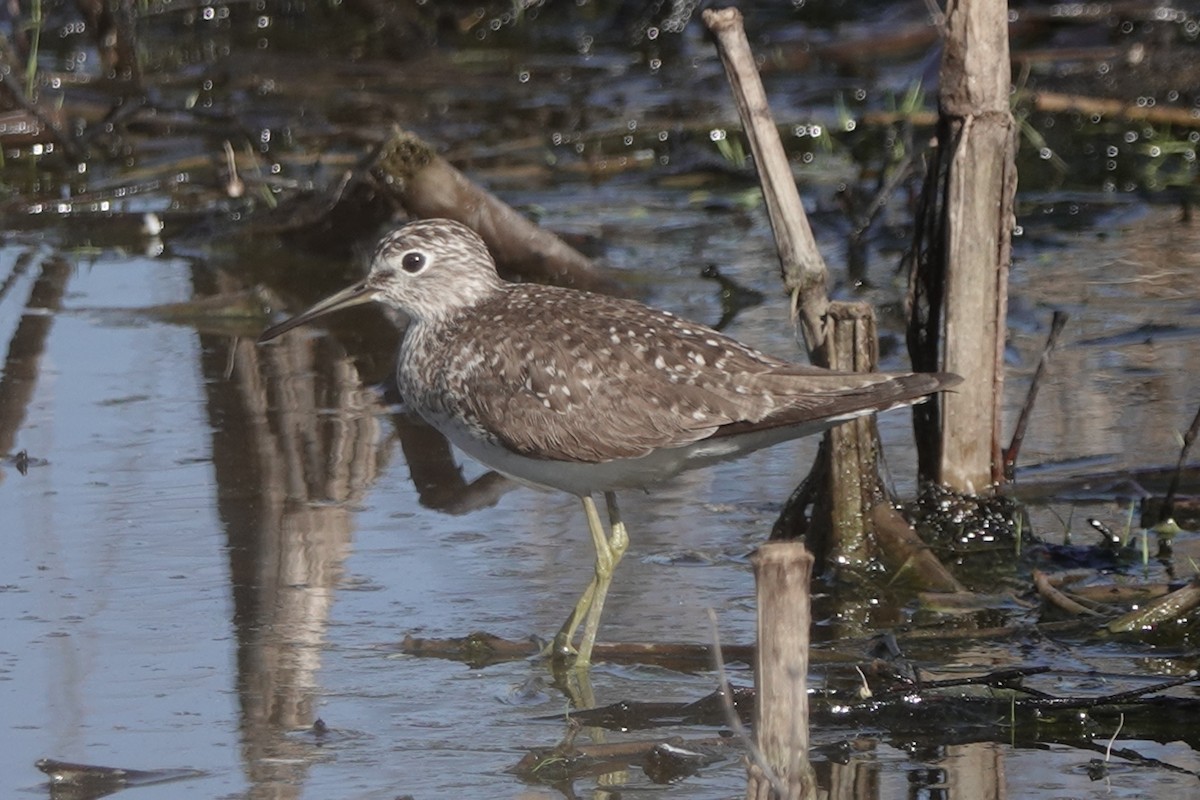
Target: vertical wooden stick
781 573
978 135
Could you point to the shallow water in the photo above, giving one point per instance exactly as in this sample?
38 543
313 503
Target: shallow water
195 575
218 544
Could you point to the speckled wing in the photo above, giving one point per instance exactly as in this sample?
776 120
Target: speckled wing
615 379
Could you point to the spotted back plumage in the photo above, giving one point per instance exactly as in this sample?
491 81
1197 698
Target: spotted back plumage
561 375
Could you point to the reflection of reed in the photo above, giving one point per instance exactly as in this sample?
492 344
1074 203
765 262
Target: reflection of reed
22 363
296 443
974 769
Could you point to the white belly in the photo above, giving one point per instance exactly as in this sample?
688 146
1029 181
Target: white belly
584 478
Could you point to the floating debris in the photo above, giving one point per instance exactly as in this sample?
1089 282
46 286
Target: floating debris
92 780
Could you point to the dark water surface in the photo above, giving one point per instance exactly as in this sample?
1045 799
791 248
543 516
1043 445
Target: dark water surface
217 544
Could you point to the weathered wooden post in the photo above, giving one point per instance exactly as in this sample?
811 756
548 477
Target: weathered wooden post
963 247
782 571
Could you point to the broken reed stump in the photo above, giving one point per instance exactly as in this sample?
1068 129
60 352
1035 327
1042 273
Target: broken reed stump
844 482
781 769
962 248
850 456
853 520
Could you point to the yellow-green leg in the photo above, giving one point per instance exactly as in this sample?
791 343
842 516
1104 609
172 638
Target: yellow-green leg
562 639
610 546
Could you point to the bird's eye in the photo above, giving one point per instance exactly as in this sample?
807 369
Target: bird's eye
413 262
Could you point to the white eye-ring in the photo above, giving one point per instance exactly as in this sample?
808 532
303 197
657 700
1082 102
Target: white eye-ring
413 262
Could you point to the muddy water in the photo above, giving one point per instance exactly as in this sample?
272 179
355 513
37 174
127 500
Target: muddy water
217 544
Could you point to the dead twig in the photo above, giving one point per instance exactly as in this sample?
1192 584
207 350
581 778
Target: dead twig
1057 598
1055 102
739 730
1175 605
1105 700
1189 438
1057 324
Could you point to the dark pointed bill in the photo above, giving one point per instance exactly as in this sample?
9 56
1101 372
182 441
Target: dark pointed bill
355 295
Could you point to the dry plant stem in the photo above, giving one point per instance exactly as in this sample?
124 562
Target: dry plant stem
804 272
1113 740
1176 605
1047 701
982 189
1014 447
1057 598
839 336
782 572
731 715
1189 439
897 175
852 457
965 240
924 307
1055 102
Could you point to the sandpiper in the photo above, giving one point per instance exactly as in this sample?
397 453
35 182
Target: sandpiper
588 393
